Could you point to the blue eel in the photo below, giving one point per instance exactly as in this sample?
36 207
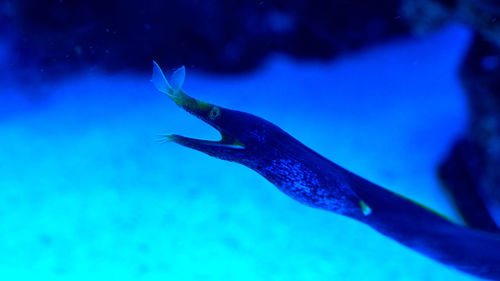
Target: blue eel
313 180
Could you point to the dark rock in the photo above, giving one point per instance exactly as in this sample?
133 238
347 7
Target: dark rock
480 75
213 35
461 172
471 171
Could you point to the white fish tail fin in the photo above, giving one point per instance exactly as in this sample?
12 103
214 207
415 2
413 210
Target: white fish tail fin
177 78
161 82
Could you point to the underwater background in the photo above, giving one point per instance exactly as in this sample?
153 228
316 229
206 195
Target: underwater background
89 189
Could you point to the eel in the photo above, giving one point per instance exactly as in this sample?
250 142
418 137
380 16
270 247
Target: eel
311 179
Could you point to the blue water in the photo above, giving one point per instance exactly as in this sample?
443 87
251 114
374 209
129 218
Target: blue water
88 190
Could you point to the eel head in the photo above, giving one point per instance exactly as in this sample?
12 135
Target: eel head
242 135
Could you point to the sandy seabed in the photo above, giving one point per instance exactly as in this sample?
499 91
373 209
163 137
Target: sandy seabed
89 192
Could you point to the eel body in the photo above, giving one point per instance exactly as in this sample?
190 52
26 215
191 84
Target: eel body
314 180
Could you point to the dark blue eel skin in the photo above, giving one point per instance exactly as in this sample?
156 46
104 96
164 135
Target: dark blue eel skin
313 180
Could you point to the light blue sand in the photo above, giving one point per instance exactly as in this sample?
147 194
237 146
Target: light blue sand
89 193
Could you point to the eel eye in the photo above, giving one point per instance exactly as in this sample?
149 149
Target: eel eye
214 113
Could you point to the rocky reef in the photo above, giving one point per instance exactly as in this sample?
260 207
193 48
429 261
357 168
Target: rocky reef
215 36
471 171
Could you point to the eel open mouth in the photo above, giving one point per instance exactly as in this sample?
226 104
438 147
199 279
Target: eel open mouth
207 112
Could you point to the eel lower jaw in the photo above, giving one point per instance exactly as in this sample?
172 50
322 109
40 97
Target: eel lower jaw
204 145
